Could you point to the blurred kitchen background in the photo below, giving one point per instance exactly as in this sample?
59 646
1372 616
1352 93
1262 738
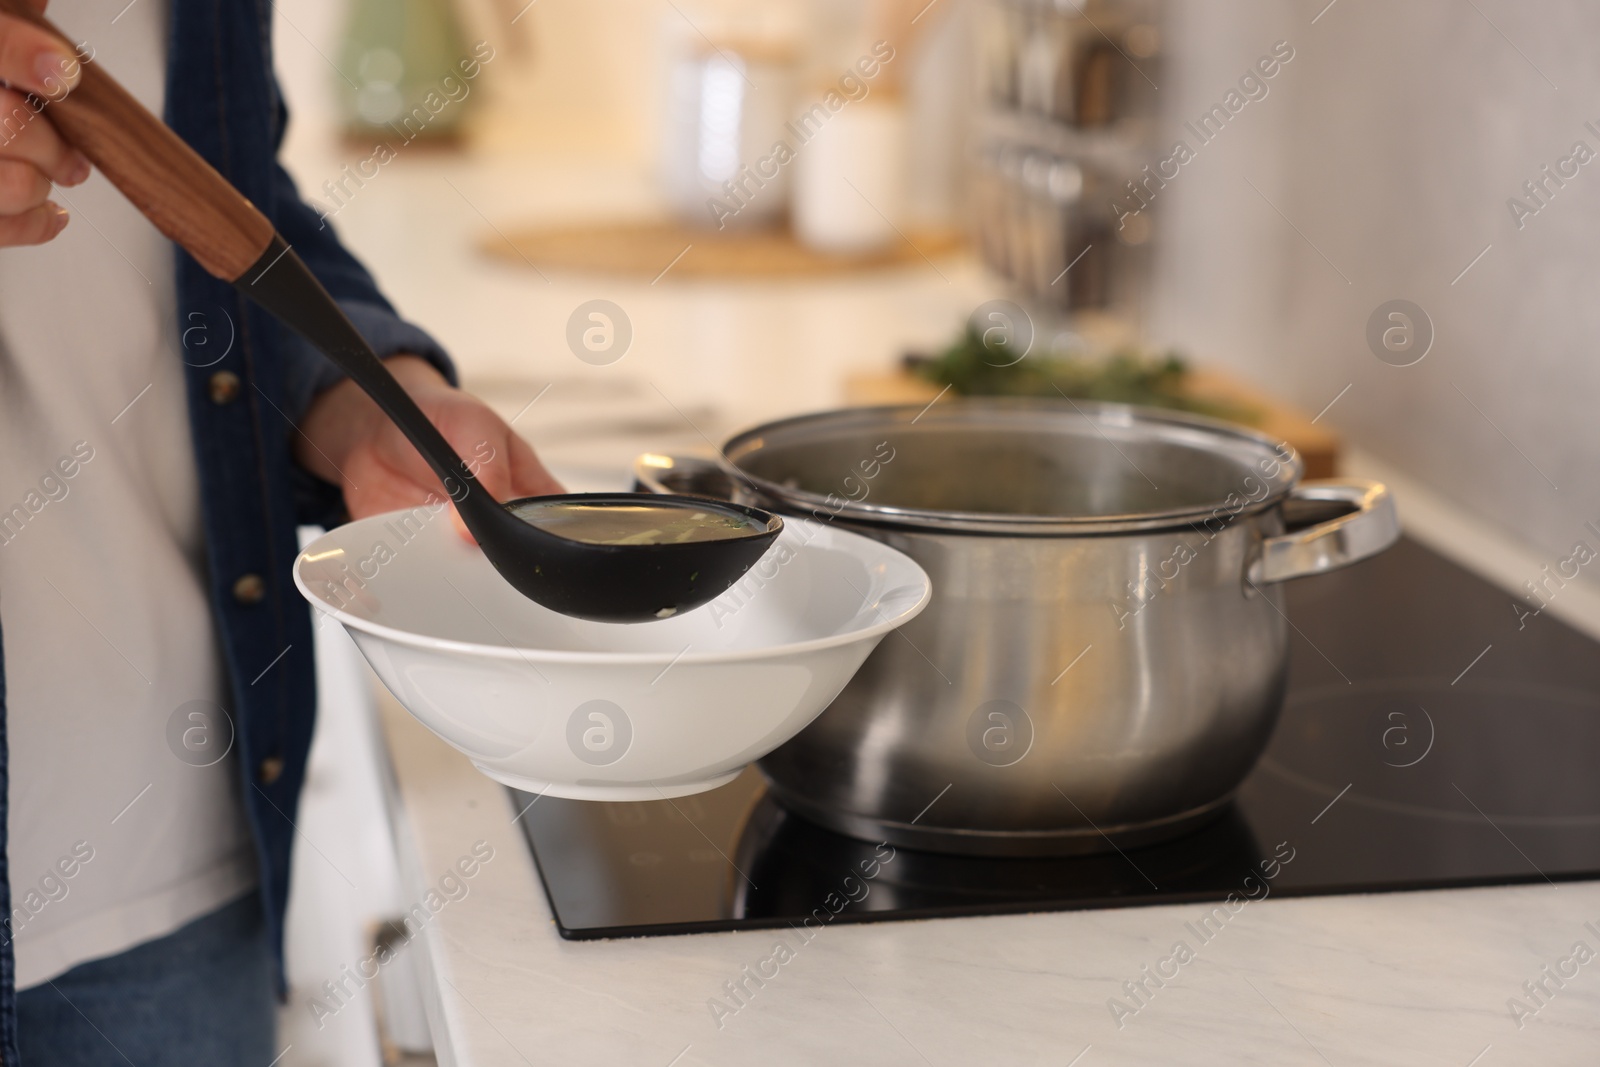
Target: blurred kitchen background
1377 166
1337 158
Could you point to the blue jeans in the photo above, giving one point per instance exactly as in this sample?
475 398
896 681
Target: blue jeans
200 996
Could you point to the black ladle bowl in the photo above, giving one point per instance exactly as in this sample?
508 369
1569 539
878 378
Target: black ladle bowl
625 583
605 582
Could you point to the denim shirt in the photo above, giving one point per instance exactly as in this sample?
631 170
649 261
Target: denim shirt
223 100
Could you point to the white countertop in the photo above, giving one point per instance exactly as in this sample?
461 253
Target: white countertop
1413 978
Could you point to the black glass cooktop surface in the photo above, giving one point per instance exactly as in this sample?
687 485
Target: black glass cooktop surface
1430 738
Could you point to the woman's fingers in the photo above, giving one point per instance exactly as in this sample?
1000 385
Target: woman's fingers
27 135
22 187
33 227
32 154
528 475
35 60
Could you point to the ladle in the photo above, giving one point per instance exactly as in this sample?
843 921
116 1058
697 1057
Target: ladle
199 210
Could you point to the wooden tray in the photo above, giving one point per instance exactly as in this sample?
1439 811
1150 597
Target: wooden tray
1318 445
653 250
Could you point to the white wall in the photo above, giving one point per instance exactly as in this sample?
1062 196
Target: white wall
1392 142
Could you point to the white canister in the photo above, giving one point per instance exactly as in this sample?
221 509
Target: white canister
850 178
725 120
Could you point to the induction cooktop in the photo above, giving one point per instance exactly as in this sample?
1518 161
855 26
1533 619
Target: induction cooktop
1433 735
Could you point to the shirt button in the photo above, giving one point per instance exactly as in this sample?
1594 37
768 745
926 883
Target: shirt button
250 590
269 770
224 387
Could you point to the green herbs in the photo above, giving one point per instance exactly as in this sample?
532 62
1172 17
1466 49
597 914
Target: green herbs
974 367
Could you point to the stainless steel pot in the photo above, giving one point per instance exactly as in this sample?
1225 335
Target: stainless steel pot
1104 658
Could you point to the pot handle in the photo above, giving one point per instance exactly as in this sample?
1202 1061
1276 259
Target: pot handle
654 472
1372 527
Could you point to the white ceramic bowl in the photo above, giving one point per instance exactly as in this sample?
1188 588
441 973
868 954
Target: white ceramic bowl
606 711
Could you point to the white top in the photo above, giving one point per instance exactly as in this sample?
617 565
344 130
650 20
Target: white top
115 840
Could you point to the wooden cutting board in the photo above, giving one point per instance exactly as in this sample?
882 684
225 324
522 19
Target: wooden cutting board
666 250
1318 445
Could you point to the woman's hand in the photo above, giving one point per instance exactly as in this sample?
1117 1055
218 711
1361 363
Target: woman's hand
36 67
346 440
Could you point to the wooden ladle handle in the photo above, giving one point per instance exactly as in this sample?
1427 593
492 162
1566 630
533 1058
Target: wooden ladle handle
160 175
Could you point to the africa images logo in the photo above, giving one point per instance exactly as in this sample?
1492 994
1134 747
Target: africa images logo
599 732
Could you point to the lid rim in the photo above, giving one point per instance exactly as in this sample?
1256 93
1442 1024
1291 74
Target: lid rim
1121 416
